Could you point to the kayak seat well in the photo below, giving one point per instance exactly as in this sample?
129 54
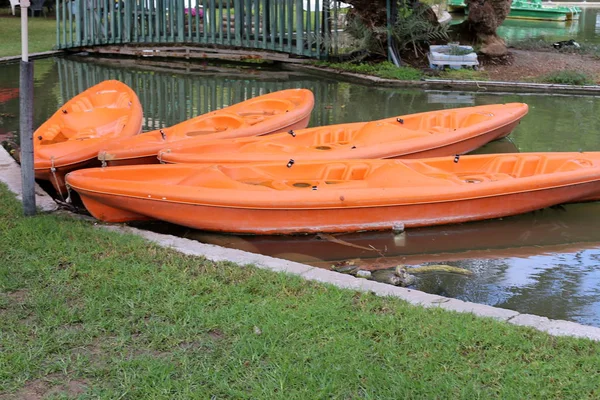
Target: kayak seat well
518 166
214 124
381 132
331 137
444 120
53 135
215 177
267 107
400 174
472 119
111 99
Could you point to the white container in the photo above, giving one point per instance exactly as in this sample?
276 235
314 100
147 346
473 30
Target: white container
439 57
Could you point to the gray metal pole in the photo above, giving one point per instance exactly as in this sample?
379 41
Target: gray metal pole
26 135
26 118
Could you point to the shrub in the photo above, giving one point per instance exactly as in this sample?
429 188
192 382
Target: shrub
384 70
567 77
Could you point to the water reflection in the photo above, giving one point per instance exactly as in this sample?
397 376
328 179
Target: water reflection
584 30
543 262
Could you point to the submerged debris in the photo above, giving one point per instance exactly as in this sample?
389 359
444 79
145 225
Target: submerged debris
345 267
387 276
438 268
400 275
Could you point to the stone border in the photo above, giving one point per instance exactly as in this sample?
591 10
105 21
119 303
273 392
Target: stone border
10 174
449 85
32 56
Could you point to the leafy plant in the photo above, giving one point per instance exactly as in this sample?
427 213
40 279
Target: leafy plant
568 77
364 37
413 28
459 51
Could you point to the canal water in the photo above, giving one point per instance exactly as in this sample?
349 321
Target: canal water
545 263
586 29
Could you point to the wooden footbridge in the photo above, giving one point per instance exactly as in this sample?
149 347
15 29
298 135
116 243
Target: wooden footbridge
194 28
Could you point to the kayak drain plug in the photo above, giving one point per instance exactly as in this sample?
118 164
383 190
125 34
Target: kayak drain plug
400 120
290 163
162 133
291 132
456 158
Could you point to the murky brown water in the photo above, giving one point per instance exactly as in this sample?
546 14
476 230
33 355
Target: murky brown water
546 263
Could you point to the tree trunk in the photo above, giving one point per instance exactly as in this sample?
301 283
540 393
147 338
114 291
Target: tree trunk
372 12
485 16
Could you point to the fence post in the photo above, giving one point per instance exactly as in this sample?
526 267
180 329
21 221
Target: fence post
300 28
127 17
238 15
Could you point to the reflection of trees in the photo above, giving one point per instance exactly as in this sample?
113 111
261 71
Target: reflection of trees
44 103
554 122
171 96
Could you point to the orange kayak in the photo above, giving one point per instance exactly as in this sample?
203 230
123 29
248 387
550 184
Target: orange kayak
428 134
71 138
338 196
273 112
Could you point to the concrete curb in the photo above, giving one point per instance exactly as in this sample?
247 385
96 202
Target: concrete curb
443 84
13 59
10 174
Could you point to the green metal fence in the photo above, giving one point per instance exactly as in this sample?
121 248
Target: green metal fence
301 27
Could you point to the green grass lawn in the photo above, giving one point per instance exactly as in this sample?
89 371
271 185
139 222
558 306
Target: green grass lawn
42 34
98 314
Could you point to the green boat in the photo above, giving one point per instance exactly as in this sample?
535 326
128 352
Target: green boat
529 9
457 6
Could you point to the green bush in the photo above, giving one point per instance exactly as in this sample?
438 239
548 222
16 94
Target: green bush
385 70
567 77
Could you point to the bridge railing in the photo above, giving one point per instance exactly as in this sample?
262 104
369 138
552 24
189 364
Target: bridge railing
300 27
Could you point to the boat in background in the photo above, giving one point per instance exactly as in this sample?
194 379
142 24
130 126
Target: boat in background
338 196
71 138
529 9
427 134
261 115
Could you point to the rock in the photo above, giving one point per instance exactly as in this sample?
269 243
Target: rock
345 267
406 279
363 274
386 276
398 227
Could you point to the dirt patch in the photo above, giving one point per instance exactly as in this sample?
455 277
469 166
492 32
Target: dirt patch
45 387
527 65
19 296
216 334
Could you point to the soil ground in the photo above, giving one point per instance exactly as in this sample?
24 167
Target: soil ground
528 65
